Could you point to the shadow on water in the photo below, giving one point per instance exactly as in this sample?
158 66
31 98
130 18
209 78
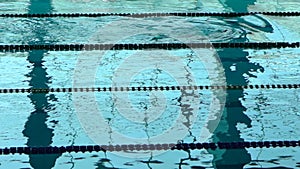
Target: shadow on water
234 110
36 128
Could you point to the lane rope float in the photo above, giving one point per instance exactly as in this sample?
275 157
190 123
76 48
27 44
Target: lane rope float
143 147
164 46
144 15
150 88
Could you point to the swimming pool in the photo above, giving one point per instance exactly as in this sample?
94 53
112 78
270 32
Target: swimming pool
149 117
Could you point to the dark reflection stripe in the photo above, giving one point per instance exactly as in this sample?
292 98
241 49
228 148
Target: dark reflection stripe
144 147
234 112
144 15
36 128
165 46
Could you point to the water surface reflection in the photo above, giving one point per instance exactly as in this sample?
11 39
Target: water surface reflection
36 129
39 134
237 68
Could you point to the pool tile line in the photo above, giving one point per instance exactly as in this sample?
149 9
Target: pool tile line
150 88
147 147
144 15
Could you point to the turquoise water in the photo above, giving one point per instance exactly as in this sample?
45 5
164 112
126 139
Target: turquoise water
60 119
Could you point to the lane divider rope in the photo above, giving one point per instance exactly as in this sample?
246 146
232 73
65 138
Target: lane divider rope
150 88
144 147
144 15
165 46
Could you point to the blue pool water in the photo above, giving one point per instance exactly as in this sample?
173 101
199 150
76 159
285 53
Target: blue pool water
63 119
